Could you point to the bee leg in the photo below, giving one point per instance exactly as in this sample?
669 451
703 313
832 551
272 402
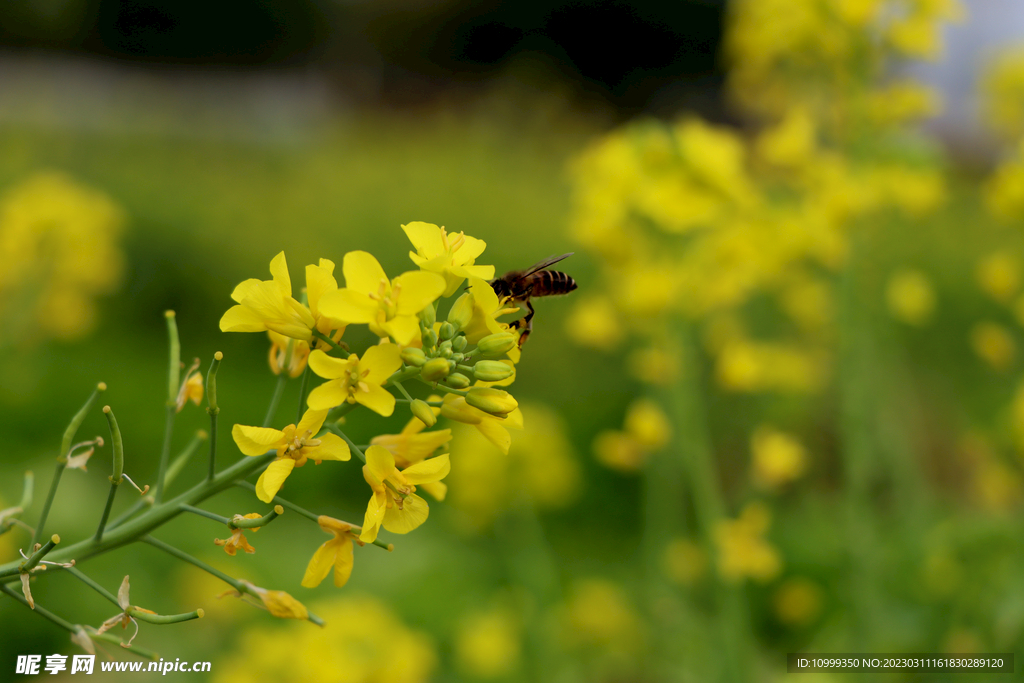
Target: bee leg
525 323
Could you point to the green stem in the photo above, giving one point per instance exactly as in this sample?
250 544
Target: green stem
174 366
276 398
239 586
351 444
114 640
26 490
240 522
34 559
401 389
278 500
156 517
92 584
62 459
106 510
335 346
206 513
402 375
302 394
213 409
165 453
46 614
134 611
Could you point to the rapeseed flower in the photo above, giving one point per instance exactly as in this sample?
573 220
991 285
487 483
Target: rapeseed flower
268 305
389 307
451 256
355 379
394 503
336 553
295 444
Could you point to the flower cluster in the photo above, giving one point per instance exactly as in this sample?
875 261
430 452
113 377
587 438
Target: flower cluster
463 358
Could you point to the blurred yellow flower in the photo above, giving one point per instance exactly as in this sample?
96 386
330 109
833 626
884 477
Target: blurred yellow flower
1003 191
761 366
994 344
355 379
451 256
1002 93
685 561
998 275
743 551
654 365
363 642
798 601
778 458
593 322
389 307
599 614
59 247
487 644
336 553
279 351
791 143
191 390
295 445
647 423
910 297
394 503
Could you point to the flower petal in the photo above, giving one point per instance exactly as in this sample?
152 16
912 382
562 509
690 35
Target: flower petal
380 462
326 366
256 440
467 253
332 447
436 489
348 305
380 360
241 319
363 273
404 329
496 434
413 513
432 469
279 269
327 395
426 237
320 565
319 281
242 289
312 421
377 399
343 561
417 289
375 510
272 479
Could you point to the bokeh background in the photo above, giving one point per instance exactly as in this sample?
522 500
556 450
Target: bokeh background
782 413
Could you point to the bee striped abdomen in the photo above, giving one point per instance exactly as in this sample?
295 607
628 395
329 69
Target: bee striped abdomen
552 283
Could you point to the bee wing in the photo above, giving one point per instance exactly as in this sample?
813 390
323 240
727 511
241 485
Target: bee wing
550 261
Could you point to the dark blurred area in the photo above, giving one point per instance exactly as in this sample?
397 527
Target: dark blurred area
640 57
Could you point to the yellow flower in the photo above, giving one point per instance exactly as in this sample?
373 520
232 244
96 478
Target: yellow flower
487 644
493 428
998 275
278 603
743 551
798 602
295 445
910 297
993 344
685 561
355 380
487 308
451 256
238 541
191 390
594 322
268 305
394 503
337 553
778 457
647 423
412 444
599 613
619 451
279 350
389 307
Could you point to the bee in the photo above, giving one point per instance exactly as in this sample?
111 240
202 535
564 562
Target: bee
520 285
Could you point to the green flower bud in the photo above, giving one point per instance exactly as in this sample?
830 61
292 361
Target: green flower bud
492 370
493 401
459 343
496 344
462 311
429 339
434 369
413 356
457 380
429 316
447 331
423 411
458 357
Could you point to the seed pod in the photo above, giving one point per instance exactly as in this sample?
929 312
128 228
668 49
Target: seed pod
423 411
434 369
492 370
